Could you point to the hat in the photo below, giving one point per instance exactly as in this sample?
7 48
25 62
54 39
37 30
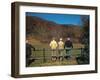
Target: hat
27 41
60 39
68 38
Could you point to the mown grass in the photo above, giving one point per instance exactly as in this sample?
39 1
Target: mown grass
40 59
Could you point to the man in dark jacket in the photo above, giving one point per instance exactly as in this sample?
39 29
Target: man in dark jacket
29 48
68 46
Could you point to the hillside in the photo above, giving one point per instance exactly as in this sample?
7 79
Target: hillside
44 30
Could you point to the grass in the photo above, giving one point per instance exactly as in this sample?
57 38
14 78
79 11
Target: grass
40 59
54 63
38 55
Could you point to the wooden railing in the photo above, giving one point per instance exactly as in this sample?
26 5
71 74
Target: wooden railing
44 52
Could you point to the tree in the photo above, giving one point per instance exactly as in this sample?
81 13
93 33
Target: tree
84 58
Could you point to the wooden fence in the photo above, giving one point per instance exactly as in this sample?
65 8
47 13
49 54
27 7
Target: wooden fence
44 54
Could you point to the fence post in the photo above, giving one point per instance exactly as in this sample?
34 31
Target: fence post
44 59
81 51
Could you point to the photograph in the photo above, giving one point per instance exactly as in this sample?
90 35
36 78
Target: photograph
56 39
52 39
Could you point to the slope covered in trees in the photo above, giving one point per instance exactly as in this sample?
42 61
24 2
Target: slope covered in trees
44 30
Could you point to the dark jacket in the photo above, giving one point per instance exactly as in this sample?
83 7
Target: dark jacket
29 48
68 44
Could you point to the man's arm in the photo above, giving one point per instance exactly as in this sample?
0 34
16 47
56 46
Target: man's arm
64 44
32 47
72 44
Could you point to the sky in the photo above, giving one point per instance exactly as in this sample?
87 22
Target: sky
59 18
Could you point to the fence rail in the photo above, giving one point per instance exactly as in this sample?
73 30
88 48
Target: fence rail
57 49
43 56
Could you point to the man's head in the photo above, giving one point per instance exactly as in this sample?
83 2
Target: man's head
68 39
27 41
60 39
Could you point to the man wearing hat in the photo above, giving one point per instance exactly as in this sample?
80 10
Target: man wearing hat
29 48
68 46
53 46
60 49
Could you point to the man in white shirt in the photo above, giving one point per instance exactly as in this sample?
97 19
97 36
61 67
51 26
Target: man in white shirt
60 49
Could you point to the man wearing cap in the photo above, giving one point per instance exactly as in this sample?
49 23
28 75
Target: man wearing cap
60 49
68 46
29 48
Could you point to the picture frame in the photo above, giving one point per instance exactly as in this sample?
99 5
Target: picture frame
18 37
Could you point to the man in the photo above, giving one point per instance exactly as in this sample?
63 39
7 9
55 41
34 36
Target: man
60 49
68 46
29 48
53 45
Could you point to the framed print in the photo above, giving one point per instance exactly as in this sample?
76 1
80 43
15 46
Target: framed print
52 39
